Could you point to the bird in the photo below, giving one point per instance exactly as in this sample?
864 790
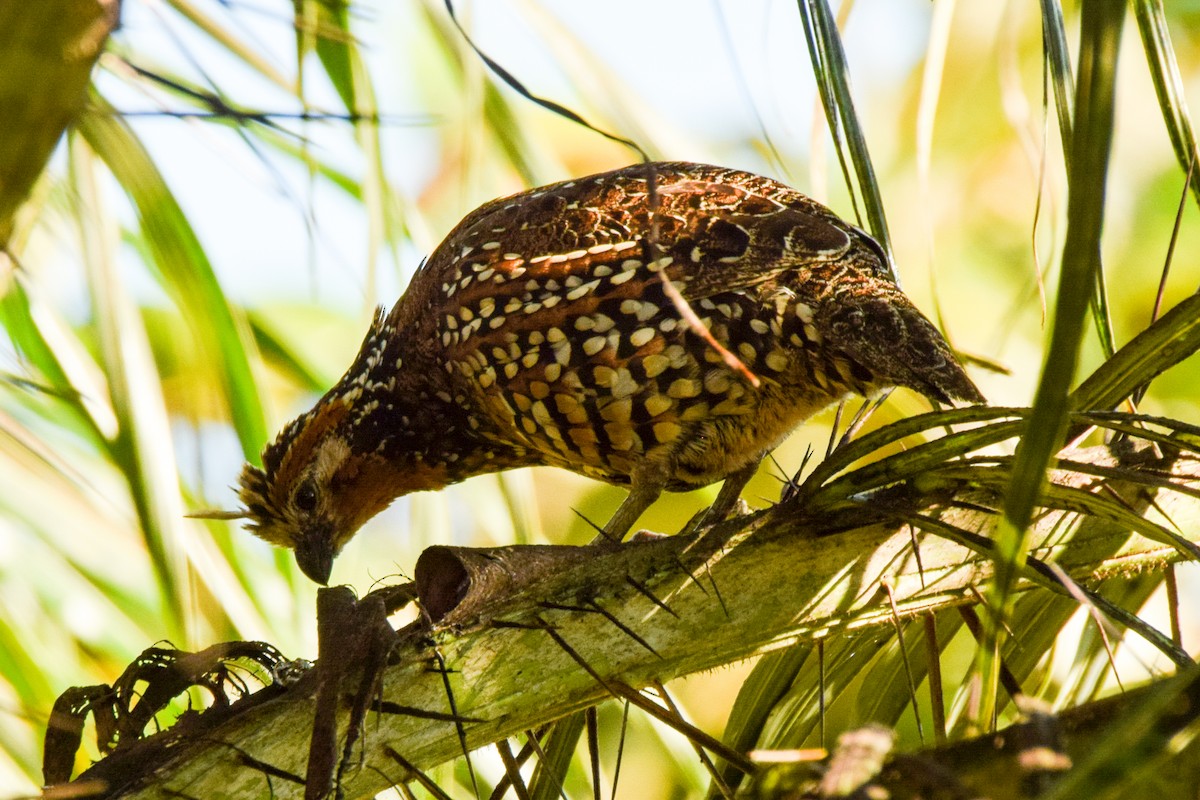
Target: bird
660 327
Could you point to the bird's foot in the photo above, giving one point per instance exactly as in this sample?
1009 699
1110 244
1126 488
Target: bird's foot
707 517
646 535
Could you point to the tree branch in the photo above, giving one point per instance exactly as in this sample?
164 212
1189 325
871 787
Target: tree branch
530 634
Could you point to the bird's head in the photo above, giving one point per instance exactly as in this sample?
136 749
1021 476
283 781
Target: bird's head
316 488
337 466
304 497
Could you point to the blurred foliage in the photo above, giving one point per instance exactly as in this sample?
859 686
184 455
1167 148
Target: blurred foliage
244 183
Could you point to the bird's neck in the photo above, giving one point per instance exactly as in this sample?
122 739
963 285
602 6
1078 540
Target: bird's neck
410 428
431 440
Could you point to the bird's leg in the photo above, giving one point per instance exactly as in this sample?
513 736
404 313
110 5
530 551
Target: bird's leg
642 495
731 492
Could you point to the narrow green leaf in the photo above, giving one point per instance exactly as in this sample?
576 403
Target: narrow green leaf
1168 340
1179 434
499 116
933 81
1168 84
299 150
768 683
281 354
334 45
62 362
339 53
889 698
223 36
912 463
833 81
558 748
1102 313
142 447
1092 139
1092 674
1093 506
1038 573
506 126
796 720
56 490
183 268
1058 62
1040 617
866 446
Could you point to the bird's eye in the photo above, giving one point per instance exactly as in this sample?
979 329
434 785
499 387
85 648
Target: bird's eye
305 498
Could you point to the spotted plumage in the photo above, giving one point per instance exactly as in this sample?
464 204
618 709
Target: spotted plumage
542 331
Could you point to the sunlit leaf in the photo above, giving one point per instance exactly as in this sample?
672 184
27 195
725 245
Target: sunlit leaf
184 270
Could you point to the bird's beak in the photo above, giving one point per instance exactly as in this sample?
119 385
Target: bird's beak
315 559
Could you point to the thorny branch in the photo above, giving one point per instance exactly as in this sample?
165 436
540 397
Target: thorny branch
523 641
